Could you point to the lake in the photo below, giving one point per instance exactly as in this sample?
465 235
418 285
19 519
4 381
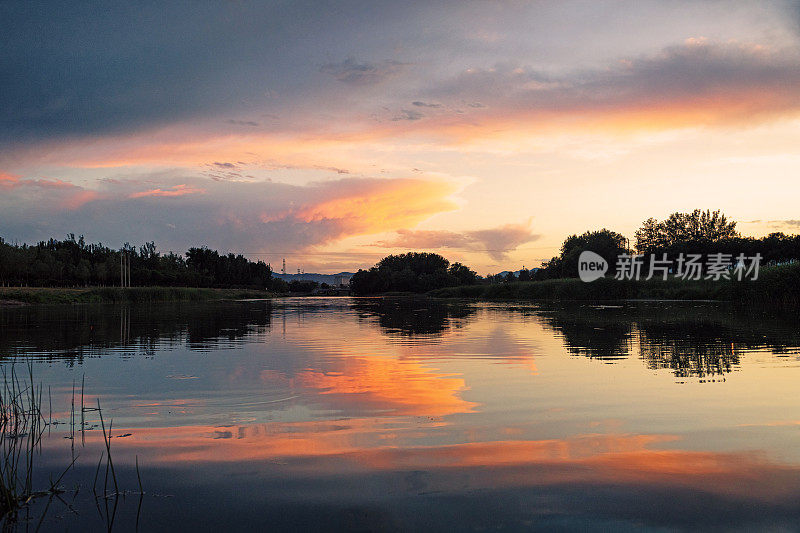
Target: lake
413 414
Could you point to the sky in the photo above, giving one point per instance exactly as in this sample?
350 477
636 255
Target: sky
332 134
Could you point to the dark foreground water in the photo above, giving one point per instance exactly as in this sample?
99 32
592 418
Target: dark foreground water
383 415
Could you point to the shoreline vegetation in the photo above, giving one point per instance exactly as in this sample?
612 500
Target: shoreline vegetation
51 271
777 286
695 235
12 296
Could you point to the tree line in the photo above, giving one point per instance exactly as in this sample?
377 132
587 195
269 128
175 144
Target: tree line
72 262
697 232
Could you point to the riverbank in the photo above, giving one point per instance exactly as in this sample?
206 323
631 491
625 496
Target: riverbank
46 295
778 286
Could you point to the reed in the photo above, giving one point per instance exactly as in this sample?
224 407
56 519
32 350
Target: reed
777 286
37 295
23 425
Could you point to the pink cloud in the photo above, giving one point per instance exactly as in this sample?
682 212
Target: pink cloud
74 198
12 181
177 190
79 198
8 181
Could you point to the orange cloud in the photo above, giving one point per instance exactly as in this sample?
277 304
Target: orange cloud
177 190
256 216
373 206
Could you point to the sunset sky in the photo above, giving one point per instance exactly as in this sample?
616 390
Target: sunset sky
335 133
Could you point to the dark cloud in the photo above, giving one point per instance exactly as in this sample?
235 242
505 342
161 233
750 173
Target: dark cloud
408 114
726 81
71 69
353 72
276 165
496 242
500 241
78 70
422 239
424 104
228 171
794 11
785 223
243 122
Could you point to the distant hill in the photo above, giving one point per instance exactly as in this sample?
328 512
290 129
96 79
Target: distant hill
330 279
516 272
335 279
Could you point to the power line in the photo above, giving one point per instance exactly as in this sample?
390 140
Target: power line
506 250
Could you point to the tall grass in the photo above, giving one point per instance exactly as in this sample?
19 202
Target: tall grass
37 295
23 425
777 286
575 289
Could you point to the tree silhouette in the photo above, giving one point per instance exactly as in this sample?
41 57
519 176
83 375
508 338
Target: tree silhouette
73 262
411 272
606 243
684 229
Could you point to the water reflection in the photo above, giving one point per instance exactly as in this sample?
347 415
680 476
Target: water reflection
691 349
316 475
382 414
377 385
73 332
690 340
595 332
414 316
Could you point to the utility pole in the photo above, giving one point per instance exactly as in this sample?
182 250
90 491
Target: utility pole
124 268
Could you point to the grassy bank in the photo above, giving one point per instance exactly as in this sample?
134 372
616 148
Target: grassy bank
778 286
36 295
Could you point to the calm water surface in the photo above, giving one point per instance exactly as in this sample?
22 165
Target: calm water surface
383 415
